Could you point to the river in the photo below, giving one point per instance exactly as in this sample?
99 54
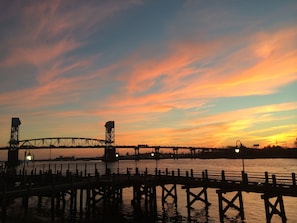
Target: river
253 204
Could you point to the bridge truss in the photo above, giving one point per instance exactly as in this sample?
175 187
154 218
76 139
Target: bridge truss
61 142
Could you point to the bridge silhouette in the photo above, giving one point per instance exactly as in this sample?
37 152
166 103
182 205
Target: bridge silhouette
108 144
109 186
80 142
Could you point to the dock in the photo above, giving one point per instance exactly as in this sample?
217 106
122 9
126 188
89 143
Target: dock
86 190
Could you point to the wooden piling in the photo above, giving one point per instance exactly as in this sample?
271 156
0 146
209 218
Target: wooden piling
172 192
230 204
272 208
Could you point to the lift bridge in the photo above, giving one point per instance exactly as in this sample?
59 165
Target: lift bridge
108 144
15 144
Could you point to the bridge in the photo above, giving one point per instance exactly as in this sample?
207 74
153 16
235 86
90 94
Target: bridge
86 189
108 144
61 142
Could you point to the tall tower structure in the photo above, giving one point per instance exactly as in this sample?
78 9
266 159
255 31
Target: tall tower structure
109 133
110 153
13 152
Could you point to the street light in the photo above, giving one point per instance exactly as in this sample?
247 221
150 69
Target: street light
154 155
238 149
117 157
27 158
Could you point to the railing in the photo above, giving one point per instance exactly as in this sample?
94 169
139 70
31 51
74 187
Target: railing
284 180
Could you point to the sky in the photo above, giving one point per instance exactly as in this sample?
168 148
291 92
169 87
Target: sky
170 72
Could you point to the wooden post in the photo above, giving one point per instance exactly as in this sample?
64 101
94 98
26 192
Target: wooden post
25 202
153 204
266 178
88 201
81 197
53 202
136 196
188 202
4 202
244 178
4 208
293 180
74 192
273 180
220 197
39 202
63 201
223 176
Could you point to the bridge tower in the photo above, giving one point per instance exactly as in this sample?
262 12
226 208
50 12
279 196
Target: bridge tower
13 151
109 153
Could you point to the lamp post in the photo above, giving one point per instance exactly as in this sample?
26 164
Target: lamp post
154 155
117 157
238 149
27 158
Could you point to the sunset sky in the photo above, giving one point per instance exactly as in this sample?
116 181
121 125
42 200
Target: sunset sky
168 72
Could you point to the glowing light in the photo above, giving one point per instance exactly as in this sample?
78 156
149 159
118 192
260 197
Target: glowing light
29 157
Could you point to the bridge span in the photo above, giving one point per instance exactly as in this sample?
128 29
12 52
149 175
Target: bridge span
81 142
61 142
108 144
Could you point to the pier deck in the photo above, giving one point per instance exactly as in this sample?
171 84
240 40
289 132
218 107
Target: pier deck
97 187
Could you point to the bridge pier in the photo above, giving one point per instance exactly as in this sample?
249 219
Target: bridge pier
106 193
175 153
193 152
272 208
230 204
136 152
201 196
169 193
110 154
150 197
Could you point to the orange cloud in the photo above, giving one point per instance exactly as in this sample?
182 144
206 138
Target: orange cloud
181 84
218 130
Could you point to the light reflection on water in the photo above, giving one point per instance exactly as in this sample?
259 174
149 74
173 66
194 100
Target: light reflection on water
253 204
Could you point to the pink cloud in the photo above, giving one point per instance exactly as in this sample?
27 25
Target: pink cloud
40 54
231 77
52 93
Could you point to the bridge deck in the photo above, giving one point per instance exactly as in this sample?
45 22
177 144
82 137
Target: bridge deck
43 183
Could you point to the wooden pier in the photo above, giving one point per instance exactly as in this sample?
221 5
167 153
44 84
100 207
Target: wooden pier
86 190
